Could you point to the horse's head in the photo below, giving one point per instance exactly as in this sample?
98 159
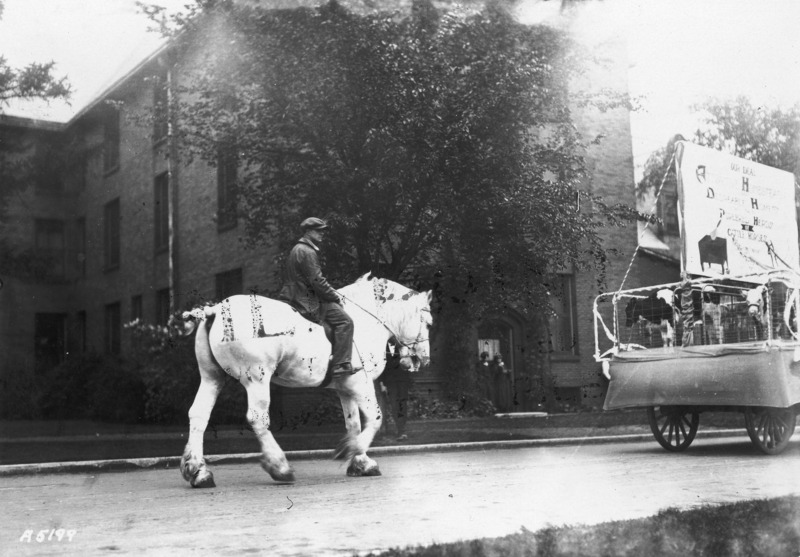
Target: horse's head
405 313
412 330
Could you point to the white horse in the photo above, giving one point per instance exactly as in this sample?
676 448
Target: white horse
258 340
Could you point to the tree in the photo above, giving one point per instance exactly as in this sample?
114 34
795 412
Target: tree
438 144
34 81
759 133
766 135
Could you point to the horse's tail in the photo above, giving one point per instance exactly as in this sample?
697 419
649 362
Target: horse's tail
192 317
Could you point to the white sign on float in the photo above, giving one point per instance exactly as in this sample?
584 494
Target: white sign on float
737 217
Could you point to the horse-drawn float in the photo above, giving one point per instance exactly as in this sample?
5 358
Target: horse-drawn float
715 341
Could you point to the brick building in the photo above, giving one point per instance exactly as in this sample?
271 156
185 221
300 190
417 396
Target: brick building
129 234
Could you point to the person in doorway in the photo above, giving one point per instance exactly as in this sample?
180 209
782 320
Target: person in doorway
485 379
309 292
395 385
501 376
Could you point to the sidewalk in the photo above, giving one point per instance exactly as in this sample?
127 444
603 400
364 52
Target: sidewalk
29 443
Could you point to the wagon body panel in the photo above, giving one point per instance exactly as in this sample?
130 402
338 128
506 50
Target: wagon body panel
717 375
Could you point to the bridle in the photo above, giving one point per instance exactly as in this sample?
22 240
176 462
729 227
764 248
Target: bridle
409 345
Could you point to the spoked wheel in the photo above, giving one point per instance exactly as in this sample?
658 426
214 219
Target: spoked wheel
674 427
770 428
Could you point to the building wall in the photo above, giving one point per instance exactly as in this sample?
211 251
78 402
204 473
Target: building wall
611 176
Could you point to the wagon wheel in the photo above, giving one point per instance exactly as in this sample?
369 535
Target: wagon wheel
770 428
674 427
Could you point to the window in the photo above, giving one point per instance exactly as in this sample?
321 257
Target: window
49 336
227 164
50 246
136 307
111 234
113 329
111 139
160 108
229 283
668 213
80 247
48 167
563 333
78 170
161 215
163 306
79 333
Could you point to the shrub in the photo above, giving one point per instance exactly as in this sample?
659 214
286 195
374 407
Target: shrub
91 386
19 396
328 410
167 366
467 405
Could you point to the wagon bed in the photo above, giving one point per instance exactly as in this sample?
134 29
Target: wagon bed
675 384
751 374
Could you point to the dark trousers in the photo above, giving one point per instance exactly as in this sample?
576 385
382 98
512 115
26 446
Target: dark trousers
334 315
398 400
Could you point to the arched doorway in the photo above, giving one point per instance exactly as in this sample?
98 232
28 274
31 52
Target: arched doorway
500 336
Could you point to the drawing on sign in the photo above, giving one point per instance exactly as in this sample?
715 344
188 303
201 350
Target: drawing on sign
737 217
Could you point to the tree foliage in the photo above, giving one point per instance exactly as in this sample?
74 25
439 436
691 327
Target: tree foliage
34 81
767 135
438 144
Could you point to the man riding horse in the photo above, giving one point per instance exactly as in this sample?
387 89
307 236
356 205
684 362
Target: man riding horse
307 290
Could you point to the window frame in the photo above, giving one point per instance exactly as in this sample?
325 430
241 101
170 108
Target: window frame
567 285
163 306
113 328
80 246
56 257
112 235
59 349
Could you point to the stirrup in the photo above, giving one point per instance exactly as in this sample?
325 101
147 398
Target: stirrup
344 370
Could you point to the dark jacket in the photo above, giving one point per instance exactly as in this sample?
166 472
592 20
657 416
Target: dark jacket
305 287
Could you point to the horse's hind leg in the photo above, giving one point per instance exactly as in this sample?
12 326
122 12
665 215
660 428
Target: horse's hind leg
193 464
273 459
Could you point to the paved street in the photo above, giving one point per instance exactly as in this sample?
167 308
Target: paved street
421 498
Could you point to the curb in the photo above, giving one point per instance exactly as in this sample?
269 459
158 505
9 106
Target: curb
127 464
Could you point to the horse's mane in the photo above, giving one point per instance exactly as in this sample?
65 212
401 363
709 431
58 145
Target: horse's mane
380 290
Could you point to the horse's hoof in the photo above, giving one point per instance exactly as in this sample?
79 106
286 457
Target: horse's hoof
189 470
204 478
356 471
286 477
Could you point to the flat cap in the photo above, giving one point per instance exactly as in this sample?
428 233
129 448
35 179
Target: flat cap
313 223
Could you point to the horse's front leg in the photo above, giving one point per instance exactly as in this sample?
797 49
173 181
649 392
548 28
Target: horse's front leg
193 465
358 400
273 459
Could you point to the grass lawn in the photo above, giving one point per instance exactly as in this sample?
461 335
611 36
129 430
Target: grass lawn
767 527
